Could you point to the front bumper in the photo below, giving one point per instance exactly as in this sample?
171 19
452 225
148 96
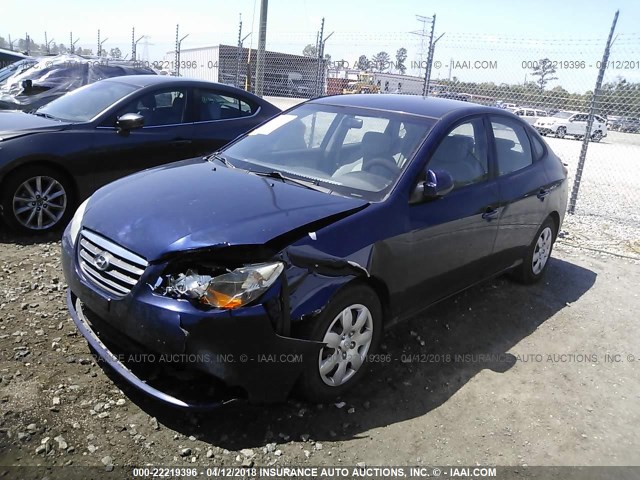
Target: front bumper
239 347
544 130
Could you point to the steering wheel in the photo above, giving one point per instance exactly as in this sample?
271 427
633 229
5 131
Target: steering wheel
388 165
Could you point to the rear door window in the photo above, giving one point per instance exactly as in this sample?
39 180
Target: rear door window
512 145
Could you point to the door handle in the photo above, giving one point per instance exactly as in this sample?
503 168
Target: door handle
180 143
490 214
543 193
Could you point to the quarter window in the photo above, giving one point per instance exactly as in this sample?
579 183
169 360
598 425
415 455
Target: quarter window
463 154
513 150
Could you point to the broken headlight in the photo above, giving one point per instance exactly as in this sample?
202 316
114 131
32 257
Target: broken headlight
233 289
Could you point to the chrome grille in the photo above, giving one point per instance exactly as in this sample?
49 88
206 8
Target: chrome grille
109 266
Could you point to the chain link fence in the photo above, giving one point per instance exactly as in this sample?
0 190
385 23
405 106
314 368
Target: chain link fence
549 82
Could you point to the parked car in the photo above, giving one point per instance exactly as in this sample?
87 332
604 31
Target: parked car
613 122
52 159
574 124
51 77
627 125
16 68
529 115
281 258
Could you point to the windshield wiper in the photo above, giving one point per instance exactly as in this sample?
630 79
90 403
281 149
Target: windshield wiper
221 159
45 115
302 183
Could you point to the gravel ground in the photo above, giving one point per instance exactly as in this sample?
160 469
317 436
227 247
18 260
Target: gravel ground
499 375
607 216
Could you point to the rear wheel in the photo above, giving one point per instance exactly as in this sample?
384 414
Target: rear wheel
561 132
36 200
350 327
536 259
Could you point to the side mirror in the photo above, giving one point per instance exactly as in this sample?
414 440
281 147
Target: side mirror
438 184
128 122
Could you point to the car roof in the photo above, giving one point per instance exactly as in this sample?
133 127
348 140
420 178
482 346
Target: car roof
147 80
413 104
143 81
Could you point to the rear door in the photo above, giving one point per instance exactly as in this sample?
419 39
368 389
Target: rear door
523 188
220 117
577 125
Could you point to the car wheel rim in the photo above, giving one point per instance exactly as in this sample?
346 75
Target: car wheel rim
542 251
560 132
347 340
39 203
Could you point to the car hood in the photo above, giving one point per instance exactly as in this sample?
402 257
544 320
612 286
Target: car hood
196 204
15 124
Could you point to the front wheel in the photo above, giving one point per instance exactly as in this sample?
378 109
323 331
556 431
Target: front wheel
536 259
36 200
561 132
350 327
597 136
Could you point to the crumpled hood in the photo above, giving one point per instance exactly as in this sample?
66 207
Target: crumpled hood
196 204
14 124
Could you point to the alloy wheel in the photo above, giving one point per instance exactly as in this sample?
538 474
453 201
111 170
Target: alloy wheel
39 202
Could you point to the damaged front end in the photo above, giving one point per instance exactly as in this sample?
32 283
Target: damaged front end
221 288
233 319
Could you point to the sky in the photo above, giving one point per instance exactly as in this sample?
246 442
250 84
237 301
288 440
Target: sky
488 40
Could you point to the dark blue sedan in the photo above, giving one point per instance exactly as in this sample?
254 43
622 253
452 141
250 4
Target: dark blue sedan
53 158
279 260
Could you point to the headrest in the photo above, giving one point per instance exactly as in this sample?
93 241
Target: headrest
375 144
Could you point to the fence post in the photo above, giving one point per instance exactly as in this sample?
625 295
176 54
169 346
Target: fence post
592 108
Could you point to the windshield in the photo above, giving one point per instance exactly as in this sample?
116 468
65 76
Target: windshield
348 151
83 104
563 114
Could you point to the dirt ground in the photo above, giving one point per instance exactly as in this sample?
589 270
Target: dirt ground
500 375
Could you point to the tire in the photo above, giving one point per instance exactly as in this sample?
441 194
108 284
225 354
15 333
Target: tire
561 132
597 136
321 380
536 260
37 200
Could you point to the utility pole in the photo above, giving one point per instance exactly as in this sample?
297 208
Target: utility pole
262 45
27 42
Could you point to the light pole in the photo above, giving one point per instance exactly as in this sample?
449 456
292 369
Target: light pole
178 44
134 45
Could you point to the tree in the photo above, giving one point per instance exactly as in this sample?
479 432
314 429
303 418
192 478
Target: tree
545 70
381 61
363 63
115 53
401 56
310 51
